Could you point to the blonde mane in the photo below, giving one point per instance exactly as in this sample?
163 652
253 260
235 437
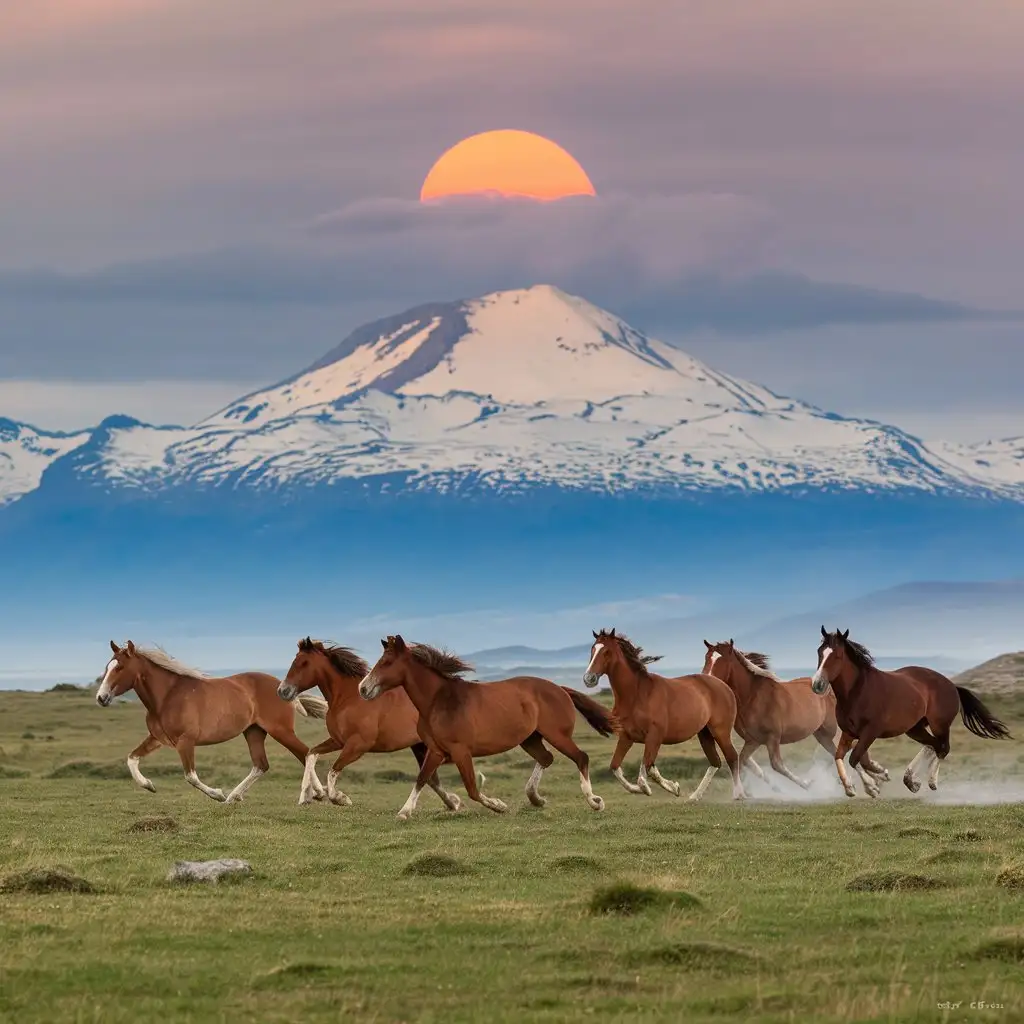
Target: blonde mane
159 657
754 668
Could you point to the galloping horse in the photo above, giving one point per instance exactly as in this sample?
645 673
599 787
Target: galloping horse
872 704
186 709
356 727
460 720
654 710
772 712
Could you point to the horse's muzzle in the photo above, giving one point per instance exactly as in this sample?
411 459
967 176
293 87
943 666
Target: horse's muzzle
590 679
287 692
104 699
819 684
369 690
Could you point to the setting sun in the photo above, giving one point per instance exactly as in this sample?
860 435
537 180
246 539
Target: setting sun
508 163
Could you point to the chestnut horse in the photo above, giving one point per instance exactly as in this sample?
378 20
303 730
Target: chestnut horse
356 726
772 712
653 710
460 719
872 704
186 709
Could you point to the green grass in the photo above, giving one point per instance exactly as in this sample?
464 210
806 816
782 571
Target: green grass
764 911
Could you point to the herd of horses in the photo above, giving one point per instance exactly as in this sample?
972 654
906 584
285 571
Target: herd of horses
417 697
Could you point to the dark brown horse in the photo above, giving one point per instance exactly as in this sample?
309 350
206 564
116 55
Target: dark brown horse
186 709
913 701
772 712
654 710
460 719
356 726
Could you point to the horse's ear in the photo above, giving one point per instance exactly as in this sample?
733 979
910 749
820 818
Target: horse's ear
823 633
846 635
114 647
399 642
707 645
384 643
731 644
612 632
130 648
594 631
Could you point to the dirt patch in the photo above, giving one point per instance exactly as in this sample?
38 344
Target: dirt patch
436 865
625 900
45 880
968 835
154 824
893 881
693 956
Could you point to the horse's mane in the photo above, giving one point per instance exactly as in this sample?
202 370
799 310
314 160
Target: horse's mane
757 664
633 653
344 659
159 657
861 657
451 666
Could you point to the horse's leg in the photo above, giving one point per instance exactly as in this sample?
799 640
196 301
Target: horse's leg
353 749
746 759
565 744
707 744
928 742
534 746
463 760
450 800
721 733
285 735
147 746
775 756
845 742
307 792
860 756
255 737
652 745
433 761
621 750
187 752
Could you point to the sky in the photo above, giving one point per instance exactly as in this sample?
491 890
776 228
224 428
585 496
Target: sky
198 199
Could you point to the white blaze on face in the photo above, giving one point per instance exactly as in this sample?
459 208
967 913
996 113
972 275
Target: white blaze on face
820 676
714 657
104 690
598 648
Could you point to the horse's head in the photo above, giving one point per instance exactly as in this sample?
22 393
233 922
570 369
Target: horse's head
121 673
603 653
389 671
832 655
718 659
306 669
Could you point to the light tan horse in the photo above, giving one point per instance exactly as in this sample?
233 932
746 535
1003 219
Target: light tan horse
654 710
186 709
773 712
356 726
460 719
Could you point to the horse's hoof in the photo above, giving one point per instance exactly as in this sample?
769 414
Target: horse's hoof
341 800
453 803
674 789
404 815
498 806
739 796
320 795
933 786
597 803
537 801
851 792
885 775
911 783
219 796
149 785
646 790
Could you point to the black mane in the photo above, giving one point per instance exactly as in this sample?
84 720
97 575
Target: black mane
633 653
344 659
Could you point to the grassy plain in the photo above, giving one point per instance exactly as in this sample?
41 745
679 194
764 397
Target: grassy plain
840 910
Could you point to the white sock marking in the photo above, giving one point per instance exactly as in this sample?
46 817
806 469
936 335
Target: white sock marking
242 788
588 791
628 786
410 804
704 783
194 780
133 768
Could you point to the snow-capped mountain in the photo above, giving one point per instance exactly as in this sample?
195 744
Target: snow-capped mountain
503 393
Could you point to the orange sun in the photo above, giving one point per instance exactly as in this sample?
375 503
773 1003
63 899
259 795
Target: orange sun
509 163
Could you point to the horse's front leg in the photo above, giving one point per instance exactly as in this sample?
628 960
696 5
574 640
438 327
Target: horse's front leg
147 746
846 741
187 752
621 750
648 766
859 759
463 760
433 761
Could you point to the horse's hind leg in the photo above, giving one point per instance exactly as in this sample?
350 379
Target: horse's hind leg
187 752
463 760
450 800
775 756
621 749
707 744
722 735
929 744
565 744
287 738
648 765
534 746
307 793
256 738
747 760
147 746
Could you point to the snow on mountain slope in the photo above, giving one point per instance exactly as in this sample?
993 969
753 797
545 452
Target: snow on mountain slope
25 453
526 388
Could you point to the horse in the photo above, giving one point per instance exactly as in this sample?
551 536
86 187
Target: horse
872 704
460 719
186 709
653 710
772 712
356 727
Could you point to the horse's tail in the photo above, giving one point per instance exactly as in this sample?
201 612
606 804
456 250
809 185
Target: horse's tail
310 706
598 717
978 718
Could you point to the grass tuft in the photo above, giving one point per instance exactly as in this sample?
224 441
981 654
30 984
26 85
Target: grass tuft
969 835
1011 877
625 899
436 865
693 956
39 881
576 862
158 823
893 881
1008 949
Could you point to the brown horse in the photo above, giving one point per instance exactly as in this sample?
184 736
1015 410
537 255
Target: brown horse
356 727
772 712
872 704
186 709
653 710
460 719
